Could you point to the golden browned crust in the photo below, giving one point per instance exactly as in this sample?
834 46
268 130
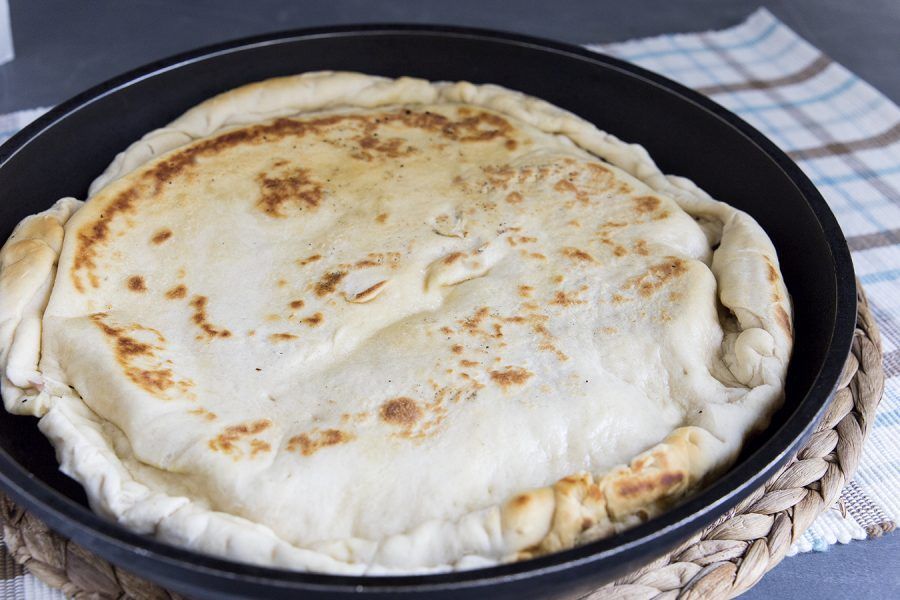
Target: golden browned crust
584 507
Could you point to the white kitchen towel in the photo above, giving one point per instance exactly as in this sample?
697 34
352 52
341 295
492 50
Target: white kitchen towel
846 137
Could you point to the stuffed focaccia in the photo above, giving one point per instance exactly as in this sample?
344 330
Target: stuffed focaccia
344 323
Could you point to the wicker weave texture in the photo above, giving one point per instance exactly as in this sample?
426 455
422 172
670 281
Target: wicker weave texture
723 561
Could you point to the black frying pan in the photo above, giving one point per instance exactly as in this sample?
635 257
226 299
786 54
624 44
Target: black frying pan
687 134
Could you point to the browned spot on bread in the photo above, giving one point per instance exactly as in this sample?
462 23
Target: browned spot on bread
514 198
93 234
563 299
598 170
305 261
391 147
136 284
229 440
634 487
138 359
297 304
640 247
525 174
258 447
521 501
452 258
618 298
771 271
566 186
648 485
671 479
657 276
525 239
472 324
328 282
202 412
310 443
402 412
381 218
314 320
510 376
620 251
152 380
577 254
369 292
661 215
612 225
127 346
456 349
548 347
546 342
295 187
210 331
641 462
525 291
282 337
645 204
479 127
469 363
375 259
161 236
784 321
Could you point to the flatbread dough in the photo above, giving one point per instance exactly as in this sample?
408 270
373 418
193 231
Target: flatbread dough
351 324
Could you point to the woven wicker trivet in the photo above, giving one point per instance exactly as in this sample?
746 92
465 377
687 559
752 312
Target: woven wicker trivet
726 559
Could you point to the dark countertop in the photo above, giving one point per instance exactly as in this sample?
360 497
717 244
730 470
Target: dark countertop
64 47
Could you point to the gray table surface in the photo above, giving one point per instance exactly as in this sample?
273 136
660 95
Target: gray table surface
64 47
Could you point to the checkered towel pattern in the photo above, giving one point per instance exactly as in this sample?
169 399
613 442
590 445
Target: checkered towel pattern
846 137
